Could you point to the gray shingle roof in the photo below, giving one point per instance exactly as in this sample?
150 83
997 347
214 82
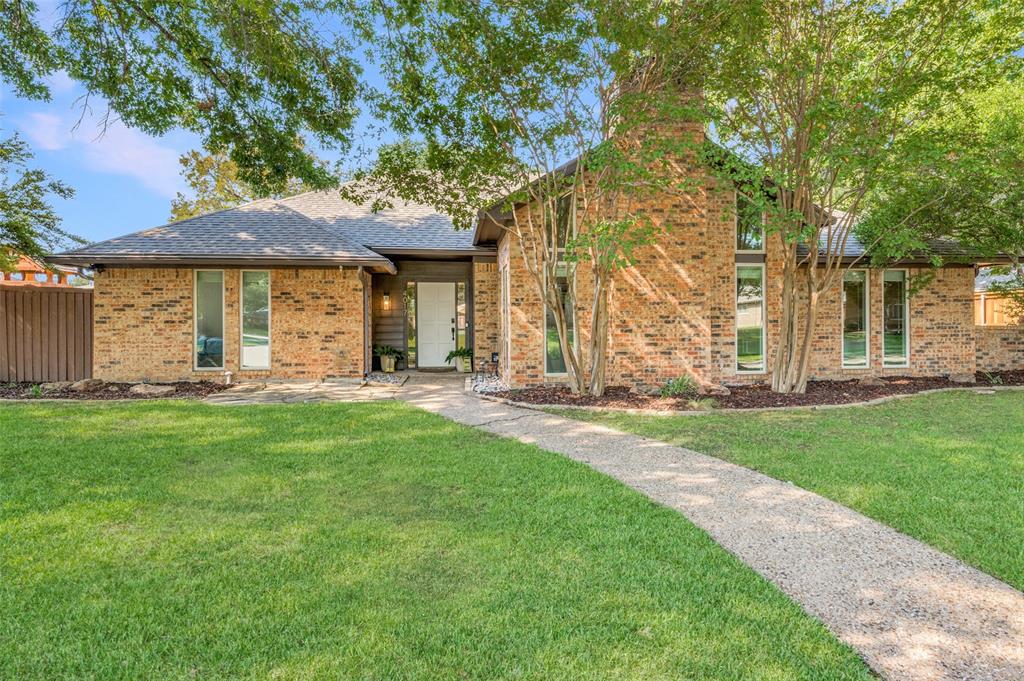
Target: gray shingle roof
403 226
312 227
942 247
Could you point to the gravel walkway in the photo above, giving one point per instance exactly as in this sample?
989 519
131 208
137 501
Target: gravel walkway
911 611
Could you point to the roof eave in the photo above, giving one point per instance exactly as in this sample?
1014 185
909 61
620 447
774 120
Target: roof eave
382 265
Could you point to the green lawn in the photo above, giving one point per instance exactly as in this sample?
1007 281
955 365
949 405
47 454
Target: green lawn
946 468
371 541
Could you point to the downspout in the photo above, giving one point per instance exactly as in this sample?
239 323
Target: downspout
364 279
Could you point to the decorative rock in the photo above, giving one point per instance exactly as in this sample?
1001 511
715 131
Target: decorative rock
55 387
715 390
962 378
150 390
86 385
871 382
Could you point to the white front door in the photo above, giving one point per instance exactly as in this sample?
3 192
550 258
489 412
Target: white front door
435 323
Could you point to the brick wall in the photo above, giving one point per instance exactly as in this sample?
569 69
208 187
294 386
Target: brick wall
486 313
674 311
999 348
143 325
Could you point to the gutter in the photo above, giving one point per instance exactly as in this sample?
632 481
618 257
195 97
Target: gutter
91 261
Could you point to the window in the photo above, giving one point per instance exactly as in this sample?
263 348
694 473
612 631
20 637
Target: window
255 320
750 328
554 362
855 319
209 319
410 323
749 226
460 314
895 321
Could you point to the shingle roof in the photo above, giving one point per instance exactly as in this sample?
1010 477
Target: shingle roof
403 226
308 228
942 247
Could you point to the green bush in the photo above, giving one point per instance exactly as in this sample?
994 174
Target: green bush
683 386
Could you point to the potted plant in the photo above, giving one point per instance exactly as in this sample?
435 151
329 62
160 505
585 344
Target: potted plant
463 356
388 356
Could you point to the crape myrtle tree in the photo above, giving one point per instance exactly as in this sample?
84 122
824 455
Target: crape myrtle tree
818 103
548 113
974 194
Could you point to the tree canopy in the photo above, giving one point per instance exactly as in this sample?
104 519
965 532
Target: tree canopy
248 77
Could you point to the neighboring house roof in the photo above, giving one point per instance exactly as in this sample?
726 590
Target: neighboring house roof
314 228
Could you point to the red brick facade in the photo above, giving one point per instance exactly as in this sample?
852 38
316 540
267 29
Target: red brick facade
674 311
144 325
999 348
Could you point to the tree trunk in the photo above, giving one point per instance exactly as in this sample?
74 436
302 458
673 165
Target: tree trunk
785 353
599 336
806 345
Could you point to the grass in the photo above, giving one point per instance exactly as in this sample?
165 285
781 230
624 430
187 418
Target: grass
373 541
946 468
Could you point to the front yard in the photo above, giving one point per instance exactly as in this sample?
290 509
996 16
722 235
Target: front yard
181 540
946 468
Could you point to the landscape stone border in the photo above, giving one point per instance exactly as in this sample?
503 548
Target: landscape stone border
982 390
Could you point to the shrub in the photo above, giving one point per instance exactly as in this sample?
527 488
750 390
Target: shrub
683 386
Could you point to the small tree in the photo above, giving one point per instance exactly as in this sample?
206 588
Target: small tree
28 224
539 110
973 195
216 184
819 102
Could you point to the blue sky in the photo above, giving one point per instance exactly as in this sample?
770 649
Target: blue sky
124 179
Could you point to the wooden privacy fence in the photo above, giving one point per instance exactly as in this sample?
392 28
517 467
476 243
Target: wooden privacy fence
46 334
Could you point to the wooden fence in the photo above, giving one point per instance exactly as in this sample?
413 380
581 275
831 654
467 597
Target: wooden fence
45 334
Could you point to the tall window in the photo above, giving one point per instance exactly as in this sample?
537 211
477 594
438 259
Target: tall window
750 315
855 319
749 226
554 362
896 345
460 314
255 320
410 323
208 308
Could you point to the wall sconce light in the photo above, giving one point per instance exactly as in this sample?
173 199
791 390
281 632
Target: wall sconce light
387 301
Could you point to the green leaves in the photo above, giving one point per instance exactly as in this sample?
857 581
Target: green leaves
250 77
28 224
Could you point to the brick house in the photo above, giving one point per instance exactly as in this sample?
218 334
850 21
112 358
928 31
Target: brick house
303 287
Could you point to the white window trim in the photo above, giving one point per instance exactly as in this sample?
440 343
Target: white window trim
195 319
764 321
867 321
906 318
544 338
736 226
241 323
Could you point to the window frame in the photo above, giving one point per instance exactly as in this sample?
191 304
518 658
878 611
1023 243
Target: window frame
906 318
195 319
544 337
867 321
764 320
241 324
736 226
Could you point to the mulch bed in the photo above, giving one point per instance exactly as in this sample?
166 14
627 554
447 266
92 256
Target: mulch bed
109 391
757 396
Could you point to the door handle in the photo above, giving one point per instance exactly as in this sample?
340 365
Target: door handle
453 333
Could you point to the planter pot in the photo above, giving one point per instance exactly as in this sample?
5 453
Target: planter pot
387 364
460 364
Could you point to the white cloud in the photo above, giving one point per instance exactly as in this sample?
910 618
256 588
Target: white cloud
118 150
46 131
60 82
123 151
